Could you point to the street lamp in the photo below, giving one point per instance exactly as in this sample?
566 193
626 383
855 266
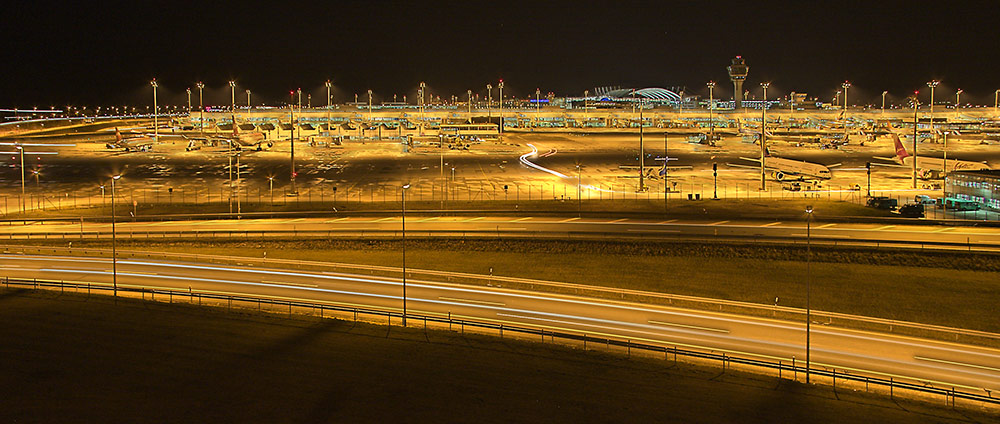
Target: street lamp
370 119
249 105
809 212
538 101
763 133
932 84
996 102
916 103
114 239
423 89
711 111
405 187
156 127
270 181
201 106
846 85
500 86
232 86
329 101
489 101
470 105
883 102
958 98
189 99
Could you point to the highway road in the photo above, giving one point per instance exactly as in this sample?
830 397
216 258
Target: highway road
986 238
946 364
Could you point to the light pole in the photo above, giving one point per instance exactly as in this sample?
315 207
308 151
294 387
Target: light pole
329 102
249 105
201 107
156 127
711 111
232 86
958 98
642 182
270 183
579 200
20 150
916 103
538 102
763 133
469 92
405 187
883 102
423 89
996 102
500 87
846 85
370 119
932 84
809 212
114 238
189 100
489 101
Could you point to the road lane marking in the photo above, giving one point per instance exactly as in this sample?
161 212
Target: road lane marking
294 220
884 227
773 223
618 220
285 283
826 225
522 219
390 218
652 231
337 220
667 221
694 327
474 219
942 361
944 229
478 302
719 223
570 219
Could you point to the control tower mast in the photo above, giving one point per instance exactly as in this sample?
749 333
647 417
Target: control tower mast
737 74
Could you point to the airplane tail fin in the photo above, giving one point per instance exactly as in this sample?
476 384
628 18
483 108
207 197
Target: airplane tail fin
900 150
118 135
236 130
767 152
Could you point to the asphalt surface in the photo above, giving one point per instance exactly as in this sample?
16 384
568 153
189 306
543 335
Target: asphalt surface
968 367
985 238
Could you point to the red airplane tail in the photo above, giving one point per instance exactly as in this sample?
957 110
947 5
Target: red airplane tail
900 150
118 135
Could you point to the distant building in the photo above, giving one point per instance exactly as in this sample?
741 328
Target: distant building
982 187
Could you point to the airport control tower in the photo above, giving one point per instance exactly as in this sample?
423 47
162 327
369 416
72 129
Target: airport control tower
737 73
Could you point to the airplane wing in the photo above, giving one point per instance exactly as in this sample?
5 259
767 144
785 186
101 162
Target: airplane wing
737 165
834 165
751 159
891 165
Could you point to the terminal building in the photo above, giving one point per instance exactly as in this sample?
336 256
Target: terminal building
982 187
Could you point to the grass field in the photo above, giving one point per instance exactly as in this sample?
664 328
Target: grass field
951 289
74 358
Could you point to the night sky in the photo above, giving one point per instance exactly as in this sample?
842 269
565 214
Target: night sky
105 53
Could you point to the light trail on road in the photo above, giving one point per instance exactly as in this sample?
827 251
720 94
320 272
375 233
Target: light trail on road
972 367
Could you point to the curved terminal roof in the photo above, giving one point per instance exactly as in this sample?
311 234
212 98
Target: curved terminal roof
650 93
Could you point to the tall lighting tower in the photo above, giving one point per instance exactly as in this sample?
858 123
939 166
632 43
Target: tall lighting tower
329 105
737 74
711 111
500 87
932 84
763 134
846 85
156 127
201 106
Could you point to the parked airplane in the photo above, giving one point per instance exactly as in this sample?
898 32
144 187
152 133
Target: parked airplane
781 168
140 143
237 140
929 167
